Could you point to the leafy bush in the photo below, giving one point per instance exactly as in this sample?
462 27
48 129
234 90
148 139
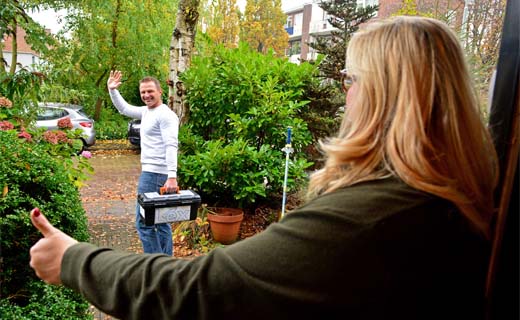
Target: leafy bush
237 174
112 125
46 303
241 103
42 169
30 177
241 93
38 168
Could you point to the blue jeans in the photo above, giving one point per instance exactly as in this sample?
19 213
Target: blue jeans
156 238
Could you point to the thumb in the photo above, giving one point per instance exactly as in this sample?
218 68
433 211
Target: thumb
41 223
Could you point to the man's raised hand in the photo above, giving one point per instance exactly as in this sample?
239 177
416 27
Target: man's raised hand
114 80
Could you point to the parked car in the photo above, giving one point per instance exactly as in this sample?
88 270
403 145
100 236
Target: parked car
50 113
134 132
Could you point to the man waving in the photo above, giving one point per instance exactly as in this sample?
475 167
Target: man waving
159 142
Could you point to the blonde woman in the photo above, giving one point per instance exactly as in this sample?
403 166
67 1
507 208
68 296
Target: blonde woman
396 223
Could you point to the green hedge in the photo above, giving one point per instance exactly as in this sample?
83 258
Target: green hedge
241 104
47 303
30 177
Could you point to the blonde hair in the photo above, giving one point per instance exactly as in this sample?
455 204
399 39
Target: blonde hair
417 118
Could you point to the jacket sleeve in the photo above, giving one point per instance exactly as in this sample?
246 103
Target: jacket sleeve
362 253
280 273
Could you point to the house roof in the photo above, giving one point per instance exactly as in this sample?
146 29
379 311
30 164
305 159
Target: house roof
23 46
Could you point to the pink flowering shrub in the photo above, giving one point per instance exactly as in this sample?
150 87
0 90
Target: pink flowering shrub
6 125
6 109
6 103
25 135
55 137
65 123
64 143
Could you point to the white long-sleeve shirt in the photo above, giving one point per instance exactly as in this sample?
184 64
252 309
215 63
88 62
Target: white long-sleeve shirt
159 135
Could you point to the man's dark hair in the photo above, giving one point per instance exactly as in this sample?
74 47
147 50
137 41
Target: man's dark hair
151 79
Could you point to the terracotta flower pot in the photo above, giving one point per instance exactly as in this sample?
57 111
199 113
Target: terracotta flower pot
225 223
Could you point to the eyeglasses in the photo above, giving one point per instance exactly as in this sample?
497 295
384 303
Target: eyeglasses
347 80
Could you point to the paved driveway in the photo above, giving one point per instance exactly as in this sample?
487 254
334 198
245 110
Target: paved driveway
109 200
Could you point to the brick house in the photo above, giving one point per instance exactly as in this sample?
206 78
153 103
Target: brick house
307 20
26 56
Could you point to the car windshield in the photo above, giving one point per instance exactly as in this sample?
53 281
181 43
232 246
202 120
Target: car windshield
51 113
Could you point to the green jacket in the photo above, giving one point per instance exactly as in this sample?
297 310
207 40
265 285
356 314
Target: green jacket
376 250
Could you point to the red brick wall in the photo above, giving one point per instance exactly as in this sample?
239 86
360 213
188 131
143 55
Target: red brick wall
307 12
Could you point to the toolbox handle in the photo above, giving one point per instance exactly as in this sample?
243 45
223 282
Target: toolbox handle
162 191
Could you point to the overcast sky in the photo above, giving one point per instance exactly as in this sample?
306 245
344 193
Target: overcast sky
50 19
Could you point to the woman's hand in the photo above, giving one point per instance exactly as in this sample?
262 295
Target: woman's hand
47 253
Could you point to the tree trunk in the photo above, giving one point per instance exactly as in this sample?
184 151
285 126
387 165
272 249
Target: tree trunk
97 109
183 40
3 63
14 50
99 100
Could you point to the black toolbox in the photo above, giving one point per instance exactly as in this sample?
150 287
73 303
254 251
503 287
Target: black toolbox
156 208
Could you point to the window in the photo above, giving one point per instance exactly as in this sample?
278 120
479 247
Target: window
289 22
51 114
294 48
298 19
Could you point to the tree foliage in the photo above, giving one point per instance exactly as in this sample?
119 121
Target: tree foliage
15 14
483 28
479 25
409 8
480 35
448 11
224 23
132 36
346 16
263 26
